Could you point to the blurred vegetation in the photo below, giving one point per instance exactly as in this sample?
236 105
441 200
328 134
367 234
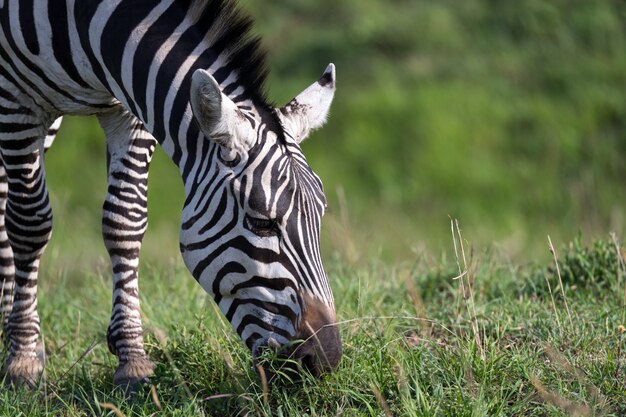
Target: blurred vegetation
509 115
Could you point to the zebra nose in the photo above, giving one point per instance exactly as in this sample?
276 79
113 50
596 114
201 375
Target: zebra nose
318 354
315 348
321 351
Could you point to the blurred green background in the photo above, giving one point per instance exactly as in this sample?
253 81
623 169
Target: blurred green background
508 115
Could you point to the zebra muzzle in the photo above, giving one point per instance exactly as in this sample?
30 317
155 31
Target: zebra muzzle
316 349
321 351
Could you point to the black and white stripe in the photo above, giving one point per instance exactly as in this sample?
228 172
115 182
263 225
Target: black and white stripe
188 75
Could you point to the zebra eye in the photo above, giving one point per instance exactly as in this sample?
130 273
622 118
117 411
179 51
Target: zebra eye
261 227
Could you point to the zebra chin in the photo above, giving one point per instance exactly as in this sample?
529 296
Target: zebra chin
316 348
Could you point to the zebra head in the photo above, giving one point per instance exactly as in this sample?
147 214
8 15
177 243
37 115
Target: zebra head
250 229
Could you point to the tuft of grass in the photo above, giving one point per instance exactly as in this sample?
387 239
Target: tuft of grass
595 267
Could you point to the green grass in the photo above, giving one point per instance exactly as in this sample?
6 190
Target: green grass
412 344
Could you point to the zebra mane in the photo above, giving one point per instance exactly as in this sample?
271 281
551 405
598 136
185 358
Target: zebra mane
231 36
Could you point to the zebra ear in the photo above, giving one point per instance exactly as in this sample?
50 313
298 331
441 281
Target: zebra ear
216 114
309 110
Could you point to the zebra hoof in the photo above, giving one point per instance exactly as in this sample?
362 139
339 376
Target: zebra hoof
24 371
133 374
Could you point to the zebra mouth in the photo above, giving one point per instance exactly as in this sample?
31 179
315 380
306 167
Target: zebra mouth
274 362
291 361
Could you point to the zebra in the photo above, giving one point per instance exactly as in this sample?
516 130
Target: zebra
189 76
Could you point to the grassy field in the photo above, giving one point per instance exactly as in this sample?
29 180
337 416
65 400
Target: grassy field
469 334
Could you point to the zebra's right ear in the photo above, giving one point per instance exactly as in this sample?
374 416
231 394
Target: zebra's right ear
216 114
309 110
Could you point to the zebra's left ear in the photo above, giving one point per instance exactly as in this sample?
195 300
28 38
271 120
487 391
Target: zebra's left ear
217 115
309 110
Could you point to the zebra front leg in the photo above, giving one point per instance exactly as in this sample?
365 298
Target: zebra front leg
7 266
124 222
28 224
